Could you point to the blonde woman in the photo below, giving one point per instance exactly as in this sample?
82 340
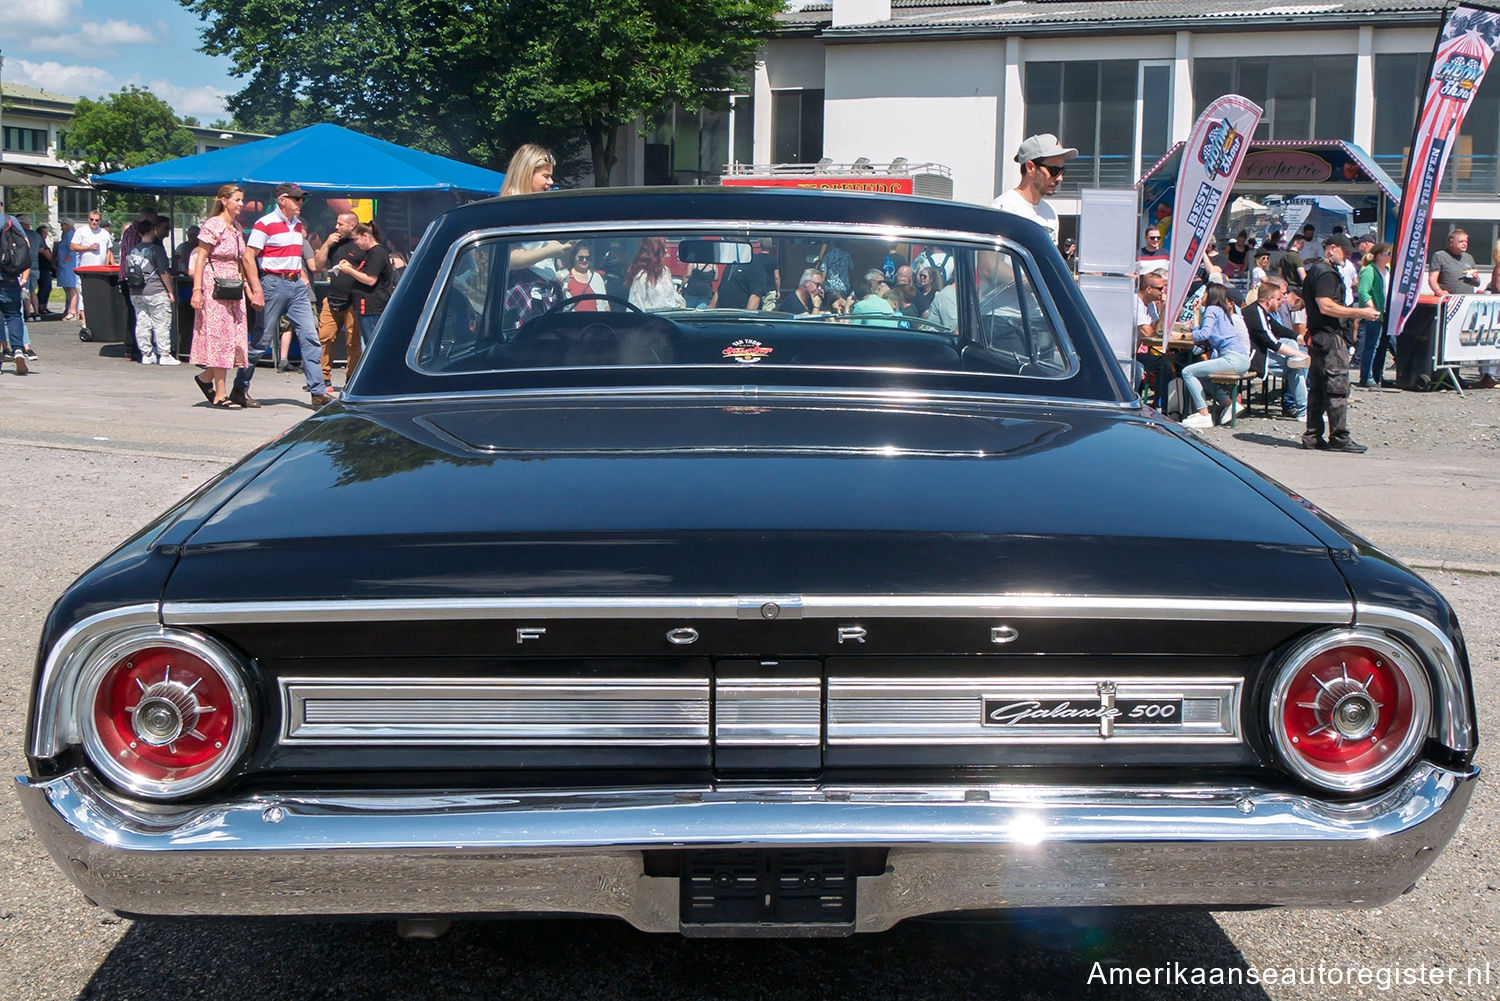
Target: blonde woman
220 331
530 172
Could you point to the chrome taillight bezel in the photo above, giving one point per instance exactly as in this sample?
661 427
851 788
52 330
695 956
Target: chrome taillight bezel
1413 673
218 657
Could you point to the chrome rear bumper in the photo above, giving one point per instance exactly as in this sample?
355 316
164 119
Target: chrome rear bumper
951 848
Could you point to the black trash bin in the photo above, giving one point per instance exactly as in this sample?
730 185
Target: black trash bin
1414 349
107 308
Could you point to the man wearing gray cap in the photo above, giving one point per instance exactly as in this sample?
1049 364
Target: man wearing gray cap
1042 159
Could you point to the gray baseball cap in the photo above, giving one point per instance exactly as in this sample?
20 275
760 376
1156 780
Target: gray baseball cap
1038 146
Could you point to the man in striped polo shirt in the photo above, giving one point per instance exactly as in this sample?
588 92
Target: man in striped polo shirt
275 245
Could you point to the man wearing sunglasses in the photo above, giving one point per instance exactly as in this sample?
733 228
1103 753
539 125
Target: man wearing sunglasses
275 245
92 243
1043 160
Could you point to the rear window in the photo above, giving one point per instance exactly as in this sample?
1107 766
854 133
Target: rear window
740 298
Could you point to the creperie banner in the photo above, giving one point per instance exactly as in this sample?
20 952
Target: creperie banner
881 185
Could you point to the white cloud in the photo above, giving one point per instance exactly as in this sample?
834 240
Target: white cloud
96 35
39 14
73 81
203 101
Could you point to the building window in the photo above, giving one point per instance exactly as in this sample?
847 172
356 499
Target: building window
796 126
688 147
1304 97
19 140
1090 106
744 127
76 203
1400 85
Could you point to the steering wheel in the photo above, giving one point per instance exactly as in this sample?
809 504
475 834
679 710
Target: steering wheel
562 304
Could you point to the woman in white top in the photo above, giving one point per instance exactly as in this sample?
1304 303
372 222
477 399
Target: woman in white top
650 280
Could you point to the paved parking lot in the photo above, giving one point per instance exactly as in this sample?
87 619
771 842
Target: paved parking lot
92 447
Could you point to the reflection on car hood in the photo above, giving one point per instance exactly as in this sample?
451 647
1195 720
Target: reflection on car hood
754 497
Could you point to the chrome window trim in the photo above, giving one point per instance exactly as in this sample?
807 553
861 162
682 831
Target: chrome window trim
814 606
984 241
872 393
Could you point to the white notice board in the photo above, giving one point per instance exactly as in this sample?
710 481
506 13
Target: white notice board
1112 298
1106 231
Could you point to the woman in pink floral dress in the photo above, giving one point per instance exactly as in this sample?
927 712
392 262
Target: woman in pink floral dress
220 335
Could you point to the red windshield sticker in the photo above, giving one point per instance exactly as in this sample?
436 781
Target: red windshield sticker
747 351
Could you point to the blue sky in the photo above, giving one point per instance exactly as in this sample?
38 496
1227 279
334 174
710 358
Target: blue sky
89 48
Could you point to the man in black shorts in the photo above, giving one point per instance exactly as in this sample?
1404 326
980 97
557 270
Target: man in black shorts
1330 336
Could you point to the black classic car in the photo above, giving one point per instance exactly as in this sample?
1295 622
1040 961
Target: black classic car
751 594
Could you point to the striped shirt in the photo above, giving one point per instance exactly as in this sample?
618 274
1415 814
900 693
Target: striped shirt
279 242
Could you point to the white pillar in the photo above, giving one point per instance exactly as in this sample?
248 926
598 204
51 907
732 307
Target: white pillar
1012 117
1364 91
1182 88
763 151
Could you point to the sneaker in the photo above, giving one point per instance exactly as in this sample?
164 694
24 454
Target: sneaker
20 359
1345 445
30 354
1317 443
1299 361
148 359
1197 421
167 360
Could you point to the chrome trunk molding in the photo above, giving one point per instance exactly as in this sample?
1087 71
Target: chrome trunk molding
947 711
810 606
539 711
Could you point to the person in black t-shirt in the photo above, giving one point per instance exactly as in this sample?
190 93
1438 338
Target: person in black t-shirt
744 285
375 278
338 308
1330 338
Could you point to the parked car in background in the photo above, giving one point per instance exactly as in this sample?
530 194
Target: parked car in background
743 621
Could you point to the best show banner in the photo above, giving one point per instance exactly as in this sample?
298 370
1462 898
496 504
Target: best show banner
1465 45
1210 163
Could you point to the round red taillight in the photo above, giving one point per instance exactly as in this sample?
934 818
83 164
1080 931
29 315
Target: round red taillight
1349 710
165 716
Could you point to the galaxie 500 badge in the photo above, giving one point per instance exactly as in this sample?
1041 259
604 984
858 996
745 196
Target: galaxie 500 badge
1103 713
747 351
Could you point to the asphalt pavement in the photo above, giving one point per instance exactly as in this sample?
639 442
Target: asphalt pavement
92 447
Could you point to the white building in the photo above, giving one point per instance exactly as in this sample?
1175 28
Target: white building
34 131
962 82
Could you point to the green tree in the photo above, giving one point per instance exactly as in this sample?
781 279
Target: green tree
473 81
131 128
598 65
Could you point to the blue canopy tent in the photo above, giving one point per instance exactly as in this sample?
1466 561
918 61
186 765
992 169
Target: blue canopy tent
326 160
413 186
320 158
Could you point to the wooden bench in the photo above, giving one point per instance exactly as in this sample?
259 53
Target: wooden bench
1245 383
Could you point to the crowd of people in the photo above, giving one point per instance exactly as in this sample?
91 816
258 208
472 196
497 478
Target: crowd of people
1272 307
1306 318
271 268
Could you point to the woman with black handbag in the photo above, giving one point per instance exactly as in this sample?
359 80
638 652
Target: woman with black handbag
220 332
